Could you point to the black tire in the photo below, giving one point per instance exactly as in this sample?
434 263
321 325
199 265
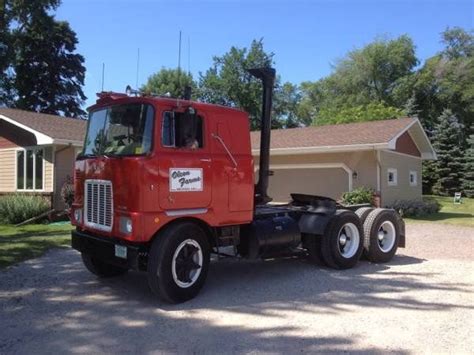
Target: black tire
100 268
363 213
312 243
331 247
381 220
161 279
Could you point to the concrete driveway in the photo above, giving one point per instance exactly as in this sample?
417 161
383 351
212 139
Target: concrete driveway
422 301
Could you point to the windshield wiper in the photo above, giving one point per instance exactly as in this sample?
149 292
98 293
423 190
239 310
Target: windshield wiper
112 155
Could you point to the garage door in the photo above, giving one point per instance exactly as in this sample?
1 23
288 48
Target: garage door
330 182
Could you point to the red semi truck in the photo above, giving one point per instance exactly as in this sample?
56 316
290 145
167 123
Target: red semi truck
162 183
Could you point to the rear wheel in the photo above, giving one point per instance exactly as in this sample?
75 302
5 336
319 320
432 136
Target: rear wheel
100 268
178 262
363 213
341 245
382 229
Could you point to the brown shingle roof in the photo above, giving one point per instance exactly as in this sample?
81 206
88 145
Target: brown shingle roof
56 127
373 132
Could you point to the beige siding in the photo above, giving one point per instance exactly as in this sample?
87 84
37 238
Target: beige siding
319 180
404 164
330 182
7 170
64 167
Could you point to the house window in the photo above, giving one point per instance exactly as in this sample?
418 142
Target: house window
29 169
182 130
392 177
413 178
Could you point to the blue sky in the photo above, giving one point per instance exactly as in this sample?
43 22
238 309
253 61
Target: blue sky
306 36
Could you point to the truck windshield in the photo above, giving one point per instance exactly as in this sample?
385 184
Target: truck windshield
120 130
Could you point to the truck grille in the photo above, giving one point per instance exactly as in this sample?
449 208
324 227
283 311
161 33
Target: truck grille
98 204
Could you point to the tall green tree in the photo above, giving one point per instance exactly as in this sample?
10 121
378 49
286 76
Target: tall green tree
370 112
468 178
172 81
228 83
285 106
449 167
372 73
6 53
367 76
446 80
42 73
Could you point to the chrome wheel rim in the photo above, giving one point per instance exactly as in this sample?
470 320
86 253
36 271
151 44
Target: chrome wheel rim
386 236
187 263
348 240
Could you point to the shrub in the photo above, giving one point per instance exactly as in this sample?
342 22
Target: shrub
17 208
67 192
415 208
357 196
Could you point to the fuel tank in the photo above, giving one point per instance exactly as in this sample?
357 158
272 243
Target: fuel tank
269 234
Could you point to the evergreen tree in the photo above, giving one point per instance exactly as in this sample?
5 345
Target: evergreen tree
447 143
468 179
411 107
429 176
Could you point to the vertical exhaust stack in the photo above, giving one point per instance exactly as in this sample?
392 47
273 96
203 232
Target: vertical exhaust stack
267 75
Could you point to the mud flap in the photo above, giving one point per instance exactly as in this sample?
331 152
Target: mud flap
401 228
313 223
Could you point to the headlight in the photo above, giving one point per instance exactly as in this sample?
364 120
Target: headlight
126 225
78 215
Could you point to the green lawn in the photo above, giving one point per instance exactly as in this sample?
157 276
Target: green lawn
31 241
450 213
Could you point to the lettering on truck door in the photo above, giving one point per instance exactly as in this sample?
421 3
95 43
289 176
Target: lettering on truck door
185 162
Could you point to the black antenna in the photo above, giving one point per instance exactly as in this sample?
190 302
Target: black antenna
179 53
138 67
179 66
189 55
103 75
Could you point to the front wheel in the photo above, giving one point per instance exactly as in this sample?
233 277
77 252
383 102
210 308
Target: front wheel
178 262
342 243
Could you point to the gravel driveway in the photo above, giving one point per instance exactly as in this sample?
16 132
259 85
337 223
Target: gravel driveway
422 301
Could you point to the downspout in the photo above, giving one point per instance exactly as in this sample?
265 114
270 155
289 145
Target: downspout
379 176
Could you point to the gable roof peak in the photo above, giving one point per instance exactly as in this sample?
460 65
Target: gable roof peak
47 128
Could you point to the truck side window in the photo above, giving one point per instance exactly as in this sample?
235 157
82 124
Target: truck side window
182 130
167 135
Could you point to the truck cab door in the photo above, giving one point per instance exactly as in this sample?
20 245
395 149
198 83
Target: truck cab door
185 165
233 167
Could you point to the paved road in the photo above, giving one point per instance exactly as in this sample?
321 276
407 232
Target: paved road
420 302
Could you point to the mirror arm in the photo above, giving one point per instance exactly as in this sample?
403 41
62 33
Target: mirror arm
221 141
